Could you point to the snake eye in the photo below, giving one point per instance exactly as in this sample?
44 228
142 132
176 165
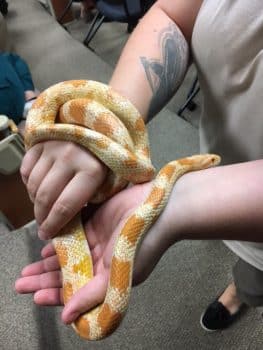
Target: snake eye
215 159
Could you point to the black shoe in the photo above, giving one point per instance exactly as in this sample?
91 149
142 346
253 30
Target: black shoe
3 7
217 317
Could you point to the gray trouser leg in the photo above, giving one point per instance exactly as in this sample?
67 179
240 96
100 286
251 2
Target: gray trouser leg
249 283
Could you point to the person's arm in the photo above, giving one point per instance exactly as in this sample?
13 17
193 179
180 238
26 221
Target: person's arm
156 57
217 203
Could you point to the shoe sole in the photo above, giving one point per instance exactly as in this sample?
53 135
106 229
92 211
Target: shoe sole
204 327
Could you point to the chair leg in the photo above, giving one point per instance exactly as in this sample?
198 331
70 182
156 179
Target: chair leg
188 102
67 8
192 89
94 26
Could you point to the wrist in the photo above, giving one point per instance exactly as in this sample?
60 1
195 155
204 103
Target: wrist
168 229
174 217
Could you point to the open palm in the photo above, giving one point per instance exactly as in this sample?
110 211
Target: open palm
43 278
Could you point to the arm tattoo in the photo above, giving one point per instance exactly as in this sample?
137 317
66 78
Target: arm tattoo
166 74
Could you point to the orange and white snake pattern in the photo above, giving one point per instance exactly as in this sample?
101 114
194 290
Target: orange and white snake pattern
94 116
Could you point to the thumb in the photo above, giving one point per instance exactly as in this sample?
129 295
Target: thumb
87 297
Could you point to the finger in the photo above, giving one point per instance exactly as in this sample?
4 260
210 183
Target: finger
75 195
51 297
29 161
48 250
30 284
86 298
50 188
38 173
40 267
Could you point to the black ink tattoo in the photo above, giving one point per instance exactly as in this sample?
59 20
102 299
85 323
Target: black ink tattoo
165 75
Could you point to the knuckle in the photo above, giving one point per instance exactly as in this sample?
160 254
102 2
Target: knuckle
96 171
69 152
24 171
63 210
92 180
29 159
32 187
98 167
42 199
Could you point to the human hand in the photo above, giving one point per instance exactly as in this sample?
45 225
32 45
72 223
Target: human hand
61 177
43 278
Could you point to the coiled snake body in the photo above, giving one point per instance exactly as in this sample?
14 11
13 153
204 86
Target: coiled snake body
94 116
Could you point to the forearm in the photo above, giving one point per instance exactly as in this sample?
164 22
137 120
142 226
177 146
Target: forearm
153 63
217 203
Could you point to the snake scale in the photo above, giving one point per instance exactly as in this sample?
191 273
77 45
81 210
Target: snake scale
107 124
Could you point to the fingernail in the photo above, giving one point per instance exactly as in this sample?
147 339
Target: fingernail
24 179
69 318
42 235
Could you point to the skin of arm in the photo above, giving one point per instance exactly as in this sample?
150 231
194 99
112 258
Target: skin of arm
157 56
217 203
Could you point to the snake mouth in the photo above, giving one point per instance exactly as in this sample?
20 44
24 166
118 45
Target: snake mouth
207 160
215 159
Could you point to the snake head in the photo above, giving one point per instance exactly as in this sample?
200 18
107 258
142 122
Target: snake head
210 160
200 161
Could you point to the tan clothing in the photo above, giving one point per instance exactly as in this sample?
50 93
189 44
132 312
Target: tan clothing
227 46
